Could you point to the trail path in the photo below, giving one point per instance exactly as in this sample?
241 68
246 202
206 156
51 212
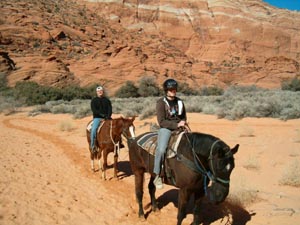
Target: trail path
45 175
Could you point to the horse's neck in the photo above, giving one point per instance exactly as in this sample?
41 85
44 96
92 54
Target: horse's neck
201 143
116 126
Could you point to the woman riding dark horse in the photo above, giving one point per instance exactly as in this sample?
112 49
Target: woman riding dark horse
197 160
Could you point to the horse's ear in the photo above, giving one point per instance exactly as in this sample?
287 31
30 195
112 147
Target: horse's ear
235 149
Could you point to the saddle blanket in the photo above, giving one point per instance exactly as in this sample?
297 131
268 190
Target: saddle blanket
149 143
90 124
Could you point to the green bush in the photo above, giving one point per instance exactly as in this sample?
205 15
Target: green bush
213 90
291 85
127 90
34 94
148 87
185 89
3 82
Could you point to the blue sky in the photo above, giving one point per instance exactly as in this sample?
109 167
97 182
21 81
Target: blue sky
286 4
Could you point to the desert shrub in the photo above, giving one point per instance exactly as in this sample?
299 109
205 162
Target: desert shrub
3 82
66 126
75 92
9 105
243 89
35 94
148 87
258 103
251 163
185 89
246 131
235 103
32 93
291 85
243 195
148 109
212 90
127 90
291 174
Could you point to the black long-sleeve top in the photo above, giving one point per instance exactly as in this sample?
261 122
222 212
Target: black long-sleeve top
101 107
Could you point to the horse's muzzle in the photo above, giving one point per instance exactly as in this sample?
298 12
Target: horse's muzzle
217 192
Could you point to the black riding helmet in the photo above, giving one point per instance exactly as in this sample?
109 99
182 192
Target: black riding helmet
170 84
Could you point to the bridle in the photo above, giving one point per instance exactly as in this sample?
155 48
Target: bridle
131 131
197 166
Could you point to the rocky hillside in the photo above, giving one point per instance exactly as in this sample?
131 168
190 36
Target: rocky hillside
200 42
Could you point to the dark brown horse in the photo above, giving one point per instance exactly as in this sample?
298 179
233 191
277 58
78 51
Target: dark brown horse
200 160
108 140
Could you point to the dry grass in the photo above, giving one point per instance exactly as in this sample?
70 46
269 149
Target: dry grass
246 131
66 126
241 194
291 174
251 163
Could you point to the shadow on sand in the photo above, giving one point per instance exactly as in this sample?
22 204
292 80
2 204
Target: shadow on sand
124 169
231 213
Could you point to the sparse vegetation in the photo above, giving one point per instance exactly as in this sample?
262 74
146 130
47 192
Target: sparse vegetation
246 131
251 163
148 87
127 90
212 90
291 85
241 196
66 126
235 103
291 174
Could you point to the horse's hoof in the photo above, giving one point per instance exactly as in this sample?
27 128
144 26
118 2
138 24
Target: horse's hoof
142 218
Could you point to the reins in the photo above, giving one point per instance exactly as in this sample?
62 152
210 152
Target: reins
117 145
197 166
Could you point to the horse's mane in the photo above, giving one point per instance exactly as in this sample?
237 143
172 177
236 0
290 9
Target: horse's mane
201 142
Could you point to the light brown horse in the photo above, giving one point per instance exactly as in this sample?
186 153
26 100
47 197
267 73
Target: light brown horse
108 140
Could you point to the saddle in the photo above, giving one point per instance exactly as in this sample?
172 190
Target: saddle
148 142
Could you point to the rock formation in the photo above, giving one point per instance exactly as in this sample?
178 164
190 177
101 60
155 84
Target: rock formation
199 42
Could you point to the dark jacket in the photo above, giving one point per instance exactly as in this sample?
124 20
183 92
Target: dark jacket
101 107
169 116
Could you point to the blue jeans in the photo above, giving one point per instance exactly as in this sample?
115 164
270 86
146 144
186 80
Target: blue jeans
162 144
96 123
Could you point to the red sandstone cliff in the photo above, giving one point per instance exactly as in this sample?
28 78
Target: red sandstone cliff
207 42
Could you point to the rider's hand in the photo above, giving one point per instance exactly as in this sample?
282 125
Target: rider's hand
181 123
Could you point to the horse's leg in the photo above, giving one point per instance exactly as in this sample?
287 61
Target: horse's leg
139 181
152 189
116 164
98 158
100 162
92 156
104 160
183 197
198 195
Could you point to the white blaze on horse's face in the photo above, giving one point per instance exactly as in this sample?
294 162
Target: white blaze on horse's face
131 130
228 166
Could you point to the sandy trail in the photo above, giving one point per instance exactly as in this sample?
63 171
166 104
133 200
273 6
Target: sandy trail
46 178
